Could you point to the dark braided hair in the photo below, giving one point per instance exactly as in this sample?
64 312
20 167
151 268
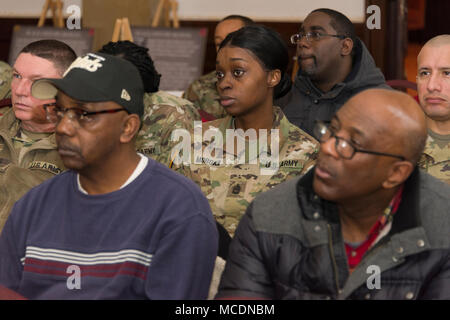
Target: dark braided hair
138 56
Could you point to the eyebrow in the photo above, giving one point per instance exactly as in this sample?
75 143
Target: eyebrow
78 104
352 129
439 68
335 117
313 28
32 76
234 59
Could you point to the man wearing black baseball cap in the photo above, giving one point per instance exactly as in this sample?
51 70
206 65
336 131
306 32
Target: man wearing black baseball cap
116 225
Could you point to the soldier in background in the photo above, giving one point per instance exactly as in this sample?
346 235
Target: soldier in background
203 91
28 153
250 65
163 112
5 80
433 86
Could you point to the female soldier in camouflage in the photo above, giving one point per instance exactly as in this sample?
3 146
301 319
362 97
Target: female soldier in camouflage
250 67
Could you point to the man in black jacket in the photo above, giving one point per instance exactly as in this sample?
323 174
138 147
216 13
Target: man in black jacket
365 223
334 65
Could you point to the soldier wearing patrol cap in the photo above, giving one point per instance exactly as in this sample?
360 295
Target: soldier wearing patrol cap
123 220
27 141
203 91
433 87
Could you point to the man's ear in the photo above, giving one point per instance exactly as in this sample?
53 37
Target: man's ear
273 78
397 174
347 46
131 126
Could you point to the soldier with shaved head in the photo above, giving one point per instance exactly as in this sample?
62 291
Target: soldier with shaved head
433 86
365 223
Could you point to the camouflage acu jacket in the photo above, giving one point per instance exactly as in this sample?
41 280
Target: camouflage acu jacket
436 157
20 170
5 80
203 94
231 187
163 113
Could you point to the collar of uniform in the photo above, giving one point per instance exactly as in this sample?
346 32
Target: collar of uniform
213 76
12 125
9 122
280 122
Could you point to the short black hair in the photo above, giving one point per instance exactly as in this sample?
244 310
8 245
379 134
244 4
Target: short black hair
61 54
141 59
340 23
245 20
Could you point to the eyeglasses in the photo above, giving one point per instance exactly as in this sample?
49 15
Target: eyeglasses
312 36
82 117
343 147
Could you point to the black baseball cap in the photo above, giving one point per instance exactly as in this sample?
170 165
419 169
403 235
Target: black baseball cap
97 77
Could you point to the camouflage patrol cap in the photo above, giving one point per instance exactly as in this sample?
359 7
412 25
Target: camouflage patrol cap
97 77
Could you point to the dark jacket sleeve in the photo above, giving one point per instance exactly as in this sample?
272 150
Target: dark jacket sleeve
245 274
10 266
438 288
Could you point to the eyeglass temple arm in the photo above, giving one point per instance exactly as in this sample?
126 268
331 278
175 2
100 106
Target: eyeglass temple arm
381 154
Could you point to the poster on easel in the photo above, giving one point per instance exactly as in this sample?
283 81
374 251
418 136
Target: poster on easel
79 40
178 53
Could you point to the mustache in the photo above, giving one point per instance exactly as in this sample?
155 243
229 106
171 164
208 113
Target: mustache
62 145
321 163
434 96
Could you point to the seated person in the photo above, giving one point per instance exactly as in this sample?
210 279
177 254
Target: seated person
117 225
203 92
250 64
163 112
5 80
364 213
28 153
334 65
433 87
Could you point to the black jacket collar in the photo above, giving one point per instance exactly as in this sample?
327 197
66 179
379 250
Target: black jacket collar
407 216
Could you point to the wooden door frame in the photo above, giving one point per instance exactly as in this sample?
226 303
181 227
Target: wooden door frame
388 45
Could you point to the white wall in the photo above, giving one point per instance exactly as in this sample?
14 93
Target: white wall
29 8
259 10
267 10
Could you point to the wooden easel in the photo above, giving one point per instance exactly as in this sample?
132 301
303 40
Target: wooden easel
56 7
122 30
168 6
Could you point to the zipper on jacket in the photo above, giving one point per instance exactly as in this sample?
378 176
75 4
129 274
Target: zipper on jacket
336 275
